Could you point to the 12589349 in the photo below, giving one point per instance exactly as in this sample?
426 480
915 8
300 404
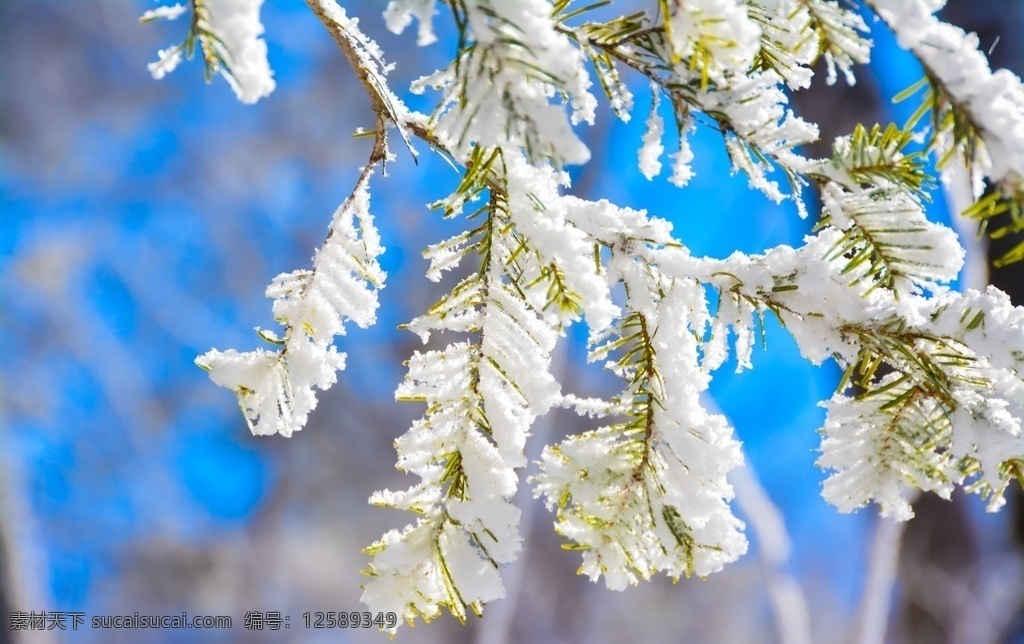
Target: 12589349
349 619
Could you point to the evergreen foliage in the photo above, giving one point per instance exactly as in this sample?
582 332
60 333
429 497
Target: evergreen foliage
932 395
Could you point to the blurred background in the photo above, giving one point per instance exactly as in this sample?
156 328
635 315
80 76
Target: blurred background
140 222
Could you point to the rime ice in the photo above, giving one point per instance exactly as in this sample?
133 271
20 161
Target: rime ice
644 491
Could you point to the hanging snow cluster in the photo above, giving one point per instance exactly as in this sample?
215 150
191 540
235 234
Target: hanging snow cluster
227 33
932 395
496 91
275 389
649 494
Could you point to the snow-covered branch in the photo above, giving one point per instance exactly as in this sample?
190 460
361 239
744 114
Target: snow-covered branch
977 113
275 388
932 393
